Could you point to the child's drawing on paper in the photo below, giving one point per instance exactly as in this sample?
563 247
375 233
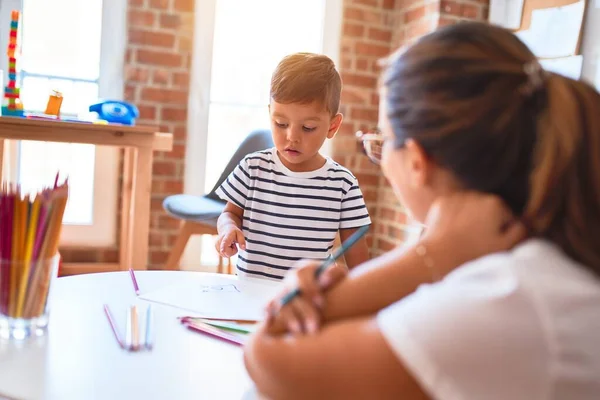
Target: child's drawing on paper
218 288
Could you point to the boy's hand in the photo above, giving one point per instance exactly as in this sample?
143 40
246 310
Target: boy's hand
303 313
227 240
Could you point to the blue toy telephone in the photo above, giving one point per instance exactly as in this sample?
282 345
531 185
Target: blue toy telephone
116 112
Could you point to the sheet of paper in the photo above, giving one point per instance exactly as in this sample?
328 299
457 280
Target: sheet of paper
506 13
218 296
567 66
554 32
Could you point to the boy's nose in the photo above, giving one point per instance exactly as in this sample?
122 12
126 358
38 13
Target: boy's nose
293 135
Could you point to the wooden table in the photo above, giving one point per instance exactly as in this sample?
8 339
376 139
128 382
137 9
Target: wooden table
79 357
139 142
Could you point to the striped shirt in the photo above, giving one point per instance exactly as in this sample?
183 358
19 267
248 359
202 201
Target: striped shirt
290 215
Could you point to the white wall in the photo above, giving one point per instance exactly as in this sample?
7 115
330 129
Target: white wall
591 44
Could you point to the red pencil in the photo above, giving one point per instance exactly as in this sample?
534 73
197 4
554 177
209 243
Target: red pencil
7 226
4 278
2 221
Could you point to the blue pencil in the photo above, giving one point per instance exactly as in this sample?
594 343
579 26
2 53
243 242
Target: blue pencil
360 232
149 318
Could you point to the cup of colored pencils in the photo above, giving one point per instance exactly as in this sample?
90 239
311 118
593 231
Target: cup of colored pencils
30 226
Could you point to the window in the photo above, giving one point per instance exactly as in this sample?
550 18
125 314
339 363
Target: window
63 46
238 77
242 65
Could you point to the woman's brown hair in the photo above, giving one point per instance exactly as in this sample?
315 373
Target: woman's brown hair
477 101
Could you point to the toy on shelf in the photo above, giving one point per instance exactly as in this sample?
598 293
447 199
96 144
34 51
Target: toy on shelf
116 112
12 105
54 103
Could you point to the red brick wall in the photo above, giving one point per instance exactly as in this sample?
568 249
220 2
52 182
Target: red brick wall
157 71
157 80
158 74
452 11
367 30
371 30
414 19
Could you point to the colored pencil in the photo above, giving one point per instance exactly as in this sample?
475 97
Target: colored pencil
50 249
135 284
28 253
15 253
237 321
225 325
148 342
42 224
113 326
129 330
360 232
5 236
30 226
132 340
135 328
206 329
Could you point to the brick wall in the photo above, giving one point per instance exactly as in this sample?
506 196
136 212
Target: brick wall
414 19
157 80
371 30
367 30
157 72
452 11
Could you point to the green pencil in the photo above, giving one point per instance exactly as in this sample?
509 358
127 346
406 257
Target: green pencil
226 326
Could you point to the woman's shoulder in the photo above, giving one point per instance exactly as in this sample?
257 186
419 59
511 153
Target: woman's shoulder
504 318
535 265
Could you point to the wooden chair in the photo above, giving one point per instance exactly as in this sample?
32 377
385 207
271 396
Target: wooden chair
199 214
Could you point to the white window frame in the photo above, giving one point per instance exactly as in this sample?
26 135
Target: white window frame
102 233
199 99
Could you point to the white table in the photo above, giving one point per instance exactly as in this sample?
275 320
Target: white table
79 357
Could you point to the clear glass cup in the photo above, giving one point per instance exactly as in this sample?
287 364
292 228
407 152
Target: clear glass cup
24 309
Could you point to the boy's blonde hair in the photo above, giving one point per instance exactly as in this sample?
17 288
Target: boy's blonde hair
307 77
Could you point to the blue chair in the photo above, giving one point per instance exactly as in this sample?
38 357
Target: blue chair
199 214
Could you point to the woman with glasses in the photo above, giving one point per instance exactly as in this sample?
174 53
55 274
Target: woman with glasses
500 298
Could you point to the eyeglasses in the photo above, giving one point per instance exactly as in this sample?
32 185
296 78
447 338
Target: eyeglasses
372 143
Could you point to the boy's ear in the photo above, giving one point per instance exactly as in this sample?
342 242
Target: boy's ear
334 125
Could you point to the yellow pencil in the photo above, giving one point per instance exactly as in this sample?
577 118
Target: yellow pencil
28 250
50 247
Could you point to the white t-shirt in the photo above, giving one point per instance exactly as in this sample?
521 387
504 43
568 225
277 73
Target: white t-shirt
524 324
290 215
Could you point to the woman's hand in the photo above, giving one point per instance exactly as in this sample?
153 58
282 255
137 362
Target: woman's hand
471 225
303 313
460 228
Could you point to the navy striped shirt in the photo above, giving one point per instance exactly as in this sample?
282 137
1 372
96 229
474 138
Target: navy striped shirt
290 215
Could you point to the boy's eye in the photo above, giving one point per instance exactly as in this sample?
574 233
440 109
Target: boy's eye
280 125
308 129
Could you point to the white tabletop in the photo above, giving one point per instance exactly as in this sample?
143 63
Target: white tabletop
79 357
